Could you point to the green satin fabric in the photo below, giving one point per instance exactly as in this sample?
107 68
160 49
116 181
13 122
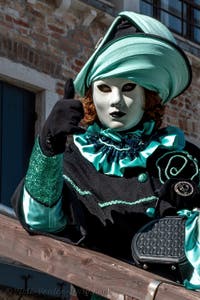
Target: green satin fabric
43 185
106 143
150 58
143 60
192 246
40 217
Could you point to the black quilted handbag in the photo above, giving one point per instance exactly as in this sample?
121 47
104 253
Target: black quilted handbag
159 248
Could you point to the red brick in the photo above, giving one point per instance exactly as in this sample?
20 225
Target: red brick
172 112
60 84
68 46
55 35
9 18
35 12
75 68
60 91
67 74
79 63
41 38
5 27
56 29
83 41
21 23
23 31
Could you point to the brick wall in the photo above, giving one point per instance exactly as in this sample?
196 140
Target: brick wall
36 36
184 111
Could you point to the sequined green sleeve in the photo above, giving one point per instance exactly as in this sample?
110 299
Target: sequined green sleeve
44 180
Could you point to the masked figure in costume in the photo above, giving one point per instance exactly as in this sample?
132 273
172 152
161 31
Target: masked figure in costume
96 186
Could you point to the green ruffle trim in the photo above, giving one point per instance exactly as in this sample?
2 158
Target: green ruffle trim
44 180
113 152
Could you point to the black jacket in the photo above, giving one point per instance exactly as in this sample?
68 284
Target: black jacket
104 212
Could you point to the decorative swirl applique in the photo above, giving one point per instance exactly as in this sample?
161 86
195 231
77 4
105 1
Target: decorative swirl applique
112 152
177 164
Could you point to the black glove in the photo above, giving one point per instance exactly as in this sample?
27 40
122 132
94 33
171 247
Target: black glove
62 121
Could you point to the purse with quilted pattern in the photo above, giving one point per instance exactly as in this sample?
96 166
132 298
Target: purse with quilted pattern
159 247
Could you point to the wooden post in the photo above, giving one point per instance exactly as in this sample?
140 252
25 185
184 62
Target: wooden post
87 269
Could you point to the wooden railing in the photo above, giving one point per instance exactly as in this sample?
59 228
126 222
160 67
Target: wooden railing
87 269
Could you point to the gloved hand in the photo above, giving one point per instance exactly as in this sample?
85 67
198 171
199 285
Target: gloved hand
63 120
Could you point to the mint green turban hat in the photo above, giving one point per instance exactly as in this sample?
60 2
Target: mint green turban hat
149 56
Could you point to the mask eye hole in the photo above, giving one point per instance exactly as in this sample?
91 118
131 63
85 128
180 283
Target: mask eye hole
128 87
104 88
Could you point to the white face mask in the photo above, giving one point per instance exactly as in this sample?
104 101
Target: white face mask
119 103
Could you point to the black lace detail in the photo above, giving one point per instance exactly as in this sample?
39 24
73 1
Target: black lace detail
129 145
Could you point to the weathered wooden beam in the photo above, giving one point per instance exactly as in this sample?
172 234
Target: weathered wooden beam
93 271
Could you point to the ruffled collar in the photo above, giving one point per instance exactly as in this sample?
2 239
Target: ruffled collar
112 152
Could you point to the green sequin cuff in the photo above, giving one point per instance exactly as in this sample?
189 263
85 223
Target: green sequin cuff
44 180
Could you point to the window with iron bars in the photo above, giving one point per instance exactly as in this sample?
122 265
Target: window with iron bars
180 16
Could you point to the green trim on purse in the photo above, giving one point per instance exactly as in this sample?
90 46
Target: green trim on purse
44 180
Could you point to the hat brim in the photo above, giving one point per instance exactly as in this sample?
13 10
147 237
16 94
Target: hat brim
151 62
157 63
